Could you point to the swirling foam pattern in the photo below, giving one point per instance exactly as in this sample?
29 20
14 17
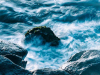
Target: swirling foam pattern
76 22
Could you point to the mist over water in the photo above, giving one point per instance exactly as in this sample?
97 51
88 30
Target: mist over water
76 22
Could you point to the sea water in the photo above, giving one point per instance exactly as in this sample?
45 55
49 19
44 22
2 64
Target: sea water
75 22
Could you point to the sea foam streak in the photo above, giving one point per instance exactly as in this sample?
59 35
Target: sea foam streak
76 22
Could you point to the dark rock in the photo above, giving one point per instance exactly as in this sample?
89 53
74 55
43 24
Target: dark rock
17 60
14 58
7 67
10 48
45 34
23 64
48 71
92 70
83 63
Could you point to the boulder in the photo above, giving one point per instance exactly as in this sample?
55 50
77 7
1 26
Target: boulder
11 48
45 35
16 59
48 71
7 67
83 63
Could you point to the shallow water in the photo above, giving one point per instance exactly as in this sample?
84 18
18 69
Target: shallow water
76 22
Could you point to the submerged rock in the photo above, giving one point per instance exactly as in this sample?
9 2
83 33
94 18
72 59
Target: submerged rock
7 67
10 48
45 34
48 71
83 63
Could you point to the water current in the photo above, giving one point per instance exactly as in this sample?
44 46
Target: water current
75 22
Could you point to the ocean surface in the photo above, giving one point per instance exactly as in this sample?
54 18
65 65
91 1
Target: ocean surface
75 22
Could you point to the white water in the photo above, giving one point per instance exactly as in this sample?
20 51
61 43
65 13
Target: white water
77 25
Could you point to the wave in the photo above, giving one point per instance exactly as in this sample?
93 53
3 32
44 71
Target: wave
76 22
73 12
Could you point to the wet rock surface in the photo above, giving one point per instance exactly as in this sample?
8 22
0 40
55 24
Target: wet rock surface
45 34
48 71
7 67
83 63
11 59
11 48
17 60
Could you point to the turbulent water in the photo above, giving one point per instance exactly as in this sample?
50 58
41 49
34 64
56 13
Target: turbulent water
76 22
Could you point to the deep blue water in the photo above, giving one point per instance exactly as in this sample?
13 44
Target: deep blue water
76 22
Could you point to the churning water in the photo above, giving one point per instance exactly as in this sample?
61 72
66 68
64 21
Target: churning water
76 22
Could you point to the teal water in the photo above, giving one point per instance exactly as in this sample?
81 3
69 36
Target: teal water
76 22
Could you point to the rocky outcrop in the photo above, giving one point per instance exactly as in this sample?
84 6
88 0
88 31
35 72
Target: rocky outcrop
48 71
83 63
7 67
11 48
11 59
17 60
45 35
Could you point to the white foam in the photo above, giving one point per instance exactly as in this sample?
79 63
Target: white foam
75 36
